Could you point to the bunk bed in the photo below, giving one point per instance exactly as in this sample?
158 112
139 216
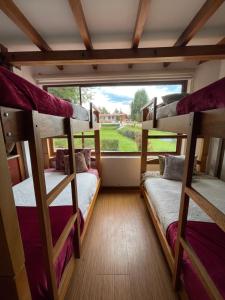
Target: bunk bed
41 232
189 215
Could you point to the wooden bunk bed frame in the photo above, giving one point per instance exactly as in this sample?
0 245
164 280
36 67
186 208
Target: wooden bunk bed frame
16 126
205 124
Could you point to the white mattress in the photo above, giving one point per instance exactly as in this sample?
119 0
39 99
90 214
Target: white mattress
165 197
80 113
86 187
168 110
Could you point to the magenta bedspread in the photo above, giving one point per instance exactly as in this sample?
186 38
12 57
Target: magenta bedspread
17 92
29 226
209 97
208 241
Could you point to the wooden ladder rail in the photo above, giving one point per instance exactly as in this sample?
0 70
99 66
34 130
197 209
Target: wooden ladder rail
181 243
97 146
13 276
43 201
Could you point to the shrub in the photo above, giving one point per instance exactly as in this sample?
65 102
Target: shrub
109 145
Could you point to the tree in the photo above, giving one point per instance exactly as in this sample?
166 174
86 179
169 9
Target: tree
103 110
116 111
140 99
72 93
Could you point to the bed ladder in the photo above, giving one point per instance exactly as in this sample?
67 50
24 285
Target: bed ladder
187 191
43 201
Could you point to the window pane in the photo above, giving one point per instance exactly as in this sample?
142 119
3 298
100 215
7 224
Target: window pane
70 93
121 117
60 143
162 144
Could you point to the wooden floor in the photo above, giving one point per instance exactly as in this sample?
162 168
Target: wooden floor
121 256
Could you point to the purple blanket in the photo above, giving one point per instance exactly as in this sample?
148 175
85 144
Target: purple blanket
208 242
210 97
30 231
17 92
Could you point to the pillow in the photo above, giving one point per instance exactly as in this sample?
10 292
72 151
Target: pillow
81 165
60 153
59 159
167 99
174 167
87 155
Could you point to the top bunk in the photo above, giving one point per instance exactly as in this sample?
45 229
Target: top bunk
20 101
207 104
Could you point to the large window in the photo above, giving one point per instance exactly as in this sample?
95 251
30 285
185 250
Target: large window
120 115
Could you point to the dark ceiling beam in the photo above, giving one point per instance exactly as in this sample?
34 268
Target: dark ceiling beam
199 20
80 20
142 14
13 12
118 56
141 19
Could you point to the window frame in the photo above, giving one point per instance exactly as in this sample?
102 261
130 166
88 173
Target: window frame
183 83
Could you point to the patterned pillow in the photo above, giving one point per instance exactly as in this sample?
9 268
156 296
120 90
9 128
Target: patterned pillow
81 165
59 159
60 153
174 167
87 155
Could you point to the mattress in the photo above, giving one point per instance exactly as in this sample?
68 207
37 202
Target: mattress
86 188
16 92
165 197
204 236
59 212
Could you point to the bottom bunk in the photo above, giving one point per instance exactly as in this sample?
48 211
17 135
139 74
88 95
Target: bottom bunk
206 238
88 184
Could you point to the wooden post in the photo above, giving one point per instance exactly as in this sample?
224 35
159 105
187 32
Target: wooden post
154 112
73 186
13 277
187 180
98 147
204 154
45 147
144 144
37 163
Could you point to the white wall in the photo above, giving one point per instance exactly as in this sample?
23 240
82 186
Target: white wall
26 73
121 171
206 73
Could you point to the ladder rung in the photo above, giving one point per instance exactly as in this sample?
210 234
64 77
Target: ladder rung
64 235
201 271
59 188
212 211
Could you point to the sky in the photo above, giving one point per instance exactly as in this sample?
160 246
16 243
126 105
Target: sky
120 97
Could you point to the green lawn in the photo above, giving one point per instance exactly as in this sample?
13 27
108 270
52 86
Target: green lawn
109 134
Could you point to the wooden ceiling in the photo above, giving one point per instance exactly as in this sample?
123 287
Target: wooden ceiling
135 55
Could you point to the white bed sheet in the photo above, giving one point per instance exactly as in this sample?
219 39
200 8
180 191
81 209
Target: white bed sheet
168 110
165 197
86 187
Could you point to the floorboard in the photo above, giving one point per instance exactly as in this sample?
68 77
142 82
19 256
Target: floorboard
121 256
